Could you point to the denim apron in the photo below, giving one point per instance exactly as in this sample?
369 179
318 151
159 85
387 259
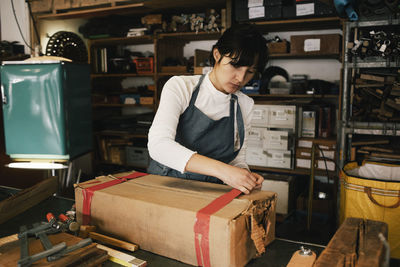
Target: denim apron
210 138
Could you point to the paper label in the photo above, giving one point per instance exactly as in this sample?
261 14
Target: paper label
253 3
305 9
258 114
256 12
312 45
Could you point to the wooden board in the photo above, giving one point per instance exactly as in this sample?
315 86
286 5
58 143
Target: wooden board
355 243
299 260
86 256
27 198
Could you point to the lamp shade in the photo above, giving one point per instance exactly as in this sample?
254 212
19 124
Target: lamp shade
46 109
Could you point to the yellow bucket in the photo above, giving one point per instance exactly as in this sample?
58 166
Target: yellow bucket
372 198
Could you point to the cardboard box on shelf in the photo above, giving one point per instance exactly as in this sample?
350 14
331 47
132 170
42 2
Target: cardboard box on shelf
159 214
315 44
279 47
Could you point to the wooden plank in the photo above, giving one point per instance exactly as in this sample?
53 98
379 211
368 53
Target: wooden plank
40 6
355 243
86 256
300 260
27 198
123 258
96 12
113 241
8 239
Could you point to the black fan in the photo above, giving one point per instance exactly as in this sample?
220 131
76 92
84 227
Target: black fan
68 45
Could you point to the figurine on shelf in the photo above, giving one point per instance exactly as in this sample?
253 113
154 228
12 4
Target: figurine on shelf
212 25
175 20
196 23
179 23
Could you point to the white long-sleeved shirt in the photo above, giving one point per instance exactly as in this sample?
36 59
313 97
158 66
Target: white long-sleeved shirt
175 98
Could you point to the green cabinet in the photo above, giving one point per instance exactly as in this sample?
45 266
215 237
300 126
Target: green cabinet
46 109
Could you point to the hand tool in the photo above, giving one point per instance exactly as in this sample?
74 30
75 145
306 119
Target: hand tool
52 220
70 224
27 260
80 244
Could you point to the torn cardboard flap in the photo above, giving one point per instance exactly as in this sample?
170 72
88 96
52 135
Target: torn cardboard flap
159 213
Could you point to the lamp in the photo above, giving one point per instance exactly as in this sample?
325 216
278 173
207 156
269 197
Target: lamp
47 112
37 165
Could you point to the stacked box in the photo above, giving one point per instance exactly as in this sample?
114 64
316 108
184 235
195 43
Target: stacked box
270 138
325 153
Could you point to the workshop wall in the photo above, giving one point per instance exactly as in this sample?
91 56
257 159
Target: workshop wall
9 28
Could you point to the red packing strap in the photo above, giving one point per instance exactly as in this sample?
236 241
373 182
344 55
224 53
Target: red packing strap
202 226
89 191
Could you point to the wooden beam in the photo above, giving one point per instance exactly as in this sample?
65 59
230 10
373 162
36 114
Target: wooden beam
27 198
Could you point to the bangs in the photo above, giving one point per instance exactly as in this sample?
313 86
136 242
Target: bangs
243 57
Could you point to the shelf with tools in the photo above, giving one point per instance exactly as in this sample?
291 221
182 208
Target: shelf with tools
371 92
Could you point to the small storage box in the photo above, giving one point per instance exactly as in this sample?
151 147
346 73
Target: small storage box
137 156
321 164
256 156
144 65
316 44
260 116
256 137
279 159
278 47
278 140
281 117
303 152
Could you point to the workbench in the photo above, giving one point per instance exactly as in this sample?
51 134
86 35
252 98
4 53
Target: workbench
278 253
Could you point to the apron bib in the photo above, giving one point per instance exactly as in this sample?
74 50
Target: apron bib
211 138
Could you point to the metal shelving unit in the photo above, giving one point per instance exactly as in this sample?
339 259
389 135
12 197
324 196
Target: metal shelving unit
348 127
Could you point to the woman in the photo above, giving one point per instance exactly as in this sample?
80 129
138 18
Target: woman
199 130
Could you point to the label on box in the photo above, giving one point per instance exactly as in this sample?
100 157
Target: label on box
312 45
305 9
254 3
256 12
254 134
258 114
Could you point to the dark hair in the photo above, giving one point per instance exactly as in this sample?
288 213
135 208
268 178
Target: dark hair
242 43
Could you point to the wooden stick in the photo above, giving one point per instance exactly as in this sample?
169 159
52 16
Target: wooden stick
123 258
384 155
8 239
370 142
379 149
113 241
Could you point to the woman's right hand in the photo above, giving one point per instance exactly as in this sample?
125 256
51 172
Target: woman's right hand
241 179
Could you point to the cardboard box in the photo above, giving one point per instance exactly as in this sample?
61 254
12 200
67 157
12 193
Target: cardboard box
200 59
279 158
278 140
159 213
305 153
255 155
281 116
315 44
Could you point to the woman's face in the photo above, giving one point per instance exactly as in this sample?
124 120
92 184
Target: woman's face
228 78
